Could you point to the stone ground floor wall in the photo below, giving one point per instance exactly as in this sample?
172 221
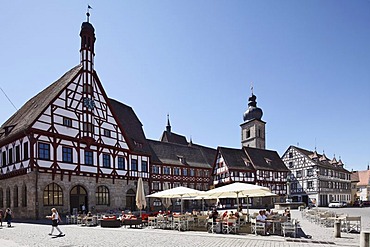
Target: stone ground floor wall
25 194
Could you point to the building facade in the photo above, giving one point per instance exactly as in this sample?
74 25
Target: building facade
316 179
363 185
177 162
70 145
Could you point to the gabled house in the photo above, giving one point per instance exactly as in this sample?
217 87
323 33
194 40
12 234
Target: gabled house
315 178
251 165
363 185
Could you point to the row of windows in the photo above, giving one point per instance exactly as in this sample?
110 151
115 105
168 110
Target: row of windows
53 195
248 133
309 173
16 199
323 184
324 172
67 156
68 122
180 171
199 186
13 155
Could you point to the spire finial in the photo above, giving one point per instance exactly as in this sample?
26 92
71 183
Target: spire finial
252 87
88 13
168 127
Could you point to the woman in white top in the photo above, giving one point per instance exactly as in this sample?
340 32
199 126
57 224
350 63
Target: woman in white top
55 218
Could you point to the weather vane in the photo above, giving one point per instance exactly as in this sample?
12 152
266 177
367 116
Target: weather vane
252 87
88 13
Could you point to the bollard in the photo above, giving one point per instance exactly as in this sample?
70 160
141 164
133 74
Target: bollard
337 229
365 239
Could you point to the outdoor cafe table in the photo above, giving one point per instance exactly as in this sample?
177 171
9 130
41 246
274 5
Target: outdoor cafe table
276 225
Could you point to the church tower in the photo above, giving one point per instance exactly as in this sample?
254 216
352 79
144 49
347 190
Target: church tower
253 128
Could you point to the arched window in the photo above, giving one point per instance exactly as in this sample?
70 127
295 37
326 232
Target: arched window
102 195
24 196
53 195
8 197
15 196
1 198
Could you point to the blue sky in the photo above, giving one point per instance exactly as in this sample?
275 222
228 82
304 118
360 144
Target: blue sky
309 62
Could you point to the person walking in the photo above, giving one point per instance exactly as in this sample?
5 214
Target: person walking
8 217
55 218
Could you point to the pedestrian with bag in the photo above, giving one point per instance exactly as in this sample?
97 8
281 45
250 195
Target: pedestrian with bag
55 218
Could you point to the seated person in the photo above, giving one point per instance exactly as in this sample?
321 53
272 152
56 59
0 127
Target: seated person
268 212
287 214
232 215
88 218
128 216
224 216
261 217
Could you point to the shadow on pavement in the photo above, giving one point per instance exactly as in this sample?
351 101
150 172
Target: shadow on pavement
38 222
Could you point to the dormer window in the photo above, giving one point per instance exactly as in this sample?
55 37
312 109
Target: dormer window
182 159
138 144
268 161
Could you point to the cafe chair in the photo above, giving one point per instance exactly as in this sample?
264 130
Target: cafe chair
257 226
288 227
152 222
229 226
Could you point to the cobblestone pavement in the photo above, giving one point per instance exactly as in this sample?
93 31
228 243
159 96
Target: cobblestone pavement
24 234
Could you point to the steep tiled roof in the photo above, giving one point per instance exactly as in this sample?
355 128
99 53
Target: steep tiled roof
132 127
179 155
354 177
171 137
30 111
322 160
208 153
235 158
263 159
364 177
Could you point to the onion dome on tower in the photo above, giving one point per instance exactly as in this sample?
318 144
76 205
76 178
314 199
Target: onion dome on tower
253 112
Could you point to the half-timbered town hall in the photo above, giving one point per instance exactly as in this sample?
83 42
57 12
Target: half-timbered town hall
70 145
